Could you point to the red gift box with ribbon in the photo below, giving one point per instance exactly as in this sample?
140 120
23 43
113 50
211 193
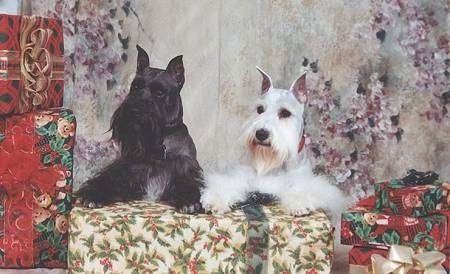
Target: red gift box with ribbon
417 200
362 225
31 63
36 152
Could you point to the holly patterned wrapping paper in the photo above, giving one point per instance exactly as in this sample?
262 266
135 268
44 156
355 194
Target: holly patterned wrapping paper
364 226
36 161
31 63
395 197
142 237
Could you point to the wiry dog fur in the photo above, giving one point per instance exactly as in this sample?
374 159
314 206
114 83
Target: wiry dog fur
275 166
158 157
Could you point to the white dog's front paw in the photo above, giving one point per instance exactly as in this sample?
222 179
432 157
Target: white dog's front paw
214 203
218 209
300 211
297 205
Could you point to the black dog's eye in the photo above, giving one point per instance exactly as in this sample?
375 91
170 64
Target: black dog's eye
284 113
260 109
159 93
137 84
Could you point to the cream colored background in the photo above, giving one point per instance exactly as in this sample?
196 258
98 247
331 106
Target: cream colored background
222 41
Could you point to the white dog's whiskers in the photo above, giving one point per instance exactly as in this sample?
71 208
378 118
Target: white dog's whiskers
264 157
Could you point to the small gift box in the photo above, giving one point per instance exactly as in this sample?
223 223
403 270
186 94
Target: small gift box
360 258
397 259
364 226
31 63
395 198
36 161
142 237
361 255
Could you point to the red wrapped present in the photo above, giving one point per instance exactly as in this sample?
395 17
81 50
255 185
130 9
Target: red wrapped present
36 162
360 258
364 226
395 198
31 63
361 255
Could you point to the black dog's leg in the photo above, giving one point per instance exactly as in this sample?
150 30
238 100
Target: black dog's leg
109 185
183 192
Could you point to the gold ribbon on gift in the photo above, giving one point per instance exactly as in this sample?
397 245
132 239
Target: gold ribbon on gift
34 64
402 260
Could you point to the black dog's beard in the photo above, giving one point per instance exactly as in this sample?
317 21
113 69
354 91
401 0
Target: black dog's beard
137 128
173 115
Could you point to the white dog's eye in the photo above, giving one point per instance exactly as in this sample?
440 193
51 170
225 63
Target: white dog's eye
260 109
284 113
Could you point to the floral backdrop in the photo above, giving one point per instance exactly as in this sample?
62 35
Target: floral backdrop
378 87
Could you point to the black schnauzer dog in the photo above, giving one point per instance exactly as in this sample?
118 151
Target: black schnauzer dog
158 159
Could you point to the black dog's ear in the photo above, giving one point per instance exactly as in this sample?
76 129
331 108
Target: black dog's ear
176 69
118 124
142 59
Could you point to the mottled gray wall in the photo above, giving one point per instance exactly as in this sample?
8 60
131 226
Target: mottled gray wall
223 41
9 6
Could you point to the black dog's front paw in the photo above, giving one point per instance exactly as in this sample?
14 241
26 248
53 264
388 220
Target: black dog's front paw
187 202
88 199
88 203
185 198
191 208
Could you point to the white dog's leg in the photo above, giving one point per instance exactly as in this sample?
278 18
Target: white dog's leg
271 184
222 190
310 193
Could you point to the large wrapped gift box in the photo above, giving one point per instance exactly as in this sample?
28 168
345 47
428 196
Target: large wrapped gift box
142 237
360 258
363 226
395 197
31 63
36 158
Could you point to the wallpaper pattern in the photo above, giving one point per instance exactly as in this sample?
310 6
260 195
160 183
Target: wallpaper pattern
378 87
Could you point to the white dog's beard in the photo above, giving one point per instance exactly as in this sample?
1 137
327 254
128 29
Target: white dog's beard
265 158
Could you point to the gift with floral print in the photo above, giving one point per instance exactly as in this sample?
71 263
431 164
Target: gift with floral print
141 237
31 63
36 163
364 226
417 194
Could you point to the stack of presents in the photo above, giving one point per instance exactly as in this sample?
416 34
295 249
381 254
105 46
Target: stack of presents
403 228
36 144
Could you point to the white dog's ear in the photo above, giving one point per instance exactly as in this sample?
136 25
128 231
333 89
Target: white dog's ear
298 88
266 81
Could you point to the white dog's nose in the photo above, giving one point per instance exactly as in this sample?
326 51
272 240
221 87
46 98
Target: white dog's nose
262 134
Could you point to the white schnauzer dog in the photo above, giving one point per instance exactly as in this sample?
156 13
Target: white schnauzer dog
278 163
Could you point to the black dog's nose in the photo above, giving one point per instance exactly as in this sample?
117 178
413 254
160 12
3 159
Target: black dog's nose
261 134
